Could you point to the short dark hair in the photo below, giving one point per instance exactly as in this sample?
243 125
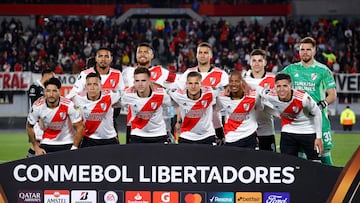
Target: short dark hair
93 75
53 81
235 72
145 44
258 52
308 40
140 70
105 49
283 76
205 44
46 71
194 74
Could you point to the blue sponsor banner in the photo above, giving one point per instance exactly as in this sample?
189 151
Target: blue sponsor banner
221 197
283 197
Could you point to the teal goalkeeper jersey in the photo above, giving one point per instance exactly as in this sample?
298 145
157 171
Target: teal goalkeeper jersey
314 80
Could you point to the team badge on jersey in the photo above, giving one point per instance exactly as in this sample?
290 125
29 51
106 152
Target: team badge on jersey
112 82
313 76
204 103
246 106
295 109
212 80
62 115
153 105
153 75
103 106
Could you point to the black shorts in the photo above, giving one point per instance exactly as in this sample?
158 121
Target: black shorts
138 139
291 143
209 140
90 142
267 142
247 142
55 148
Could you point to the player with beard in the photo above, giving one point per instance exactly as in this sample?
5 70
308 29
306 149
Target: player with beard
211 77
111 79
317 80
36 91
160 76
56 113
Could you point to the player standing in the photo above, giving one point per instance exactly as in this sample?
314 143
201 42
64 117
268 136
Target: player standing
317 80
95 107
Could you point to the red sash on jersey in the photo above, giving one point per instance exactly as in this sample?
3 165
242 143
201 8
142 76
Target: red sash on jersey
155 73
112 81
102 106
246 105
213 79
268 81
140 123
188 122
59 118
294 108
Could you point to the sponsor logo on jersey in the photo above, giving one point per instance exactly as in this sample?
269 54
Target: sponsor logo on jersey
27 196
283 197
83 196
62 196
138 197
248 197
193 197
221 197
165 197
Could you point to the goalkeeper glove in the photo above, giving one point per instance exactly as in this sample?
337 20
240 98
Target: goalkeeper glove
322 104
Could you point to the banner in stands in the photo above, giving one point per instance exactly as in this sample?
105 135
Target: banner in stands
347 83
13 81
144 173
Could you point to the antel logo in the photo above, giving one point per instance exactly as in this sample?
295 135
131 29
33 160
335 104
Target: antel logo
283 197
193 197
62 196
165 197
137 197
248 197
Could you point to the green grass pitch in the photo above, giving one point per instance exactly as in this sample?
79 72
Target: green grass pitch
15 145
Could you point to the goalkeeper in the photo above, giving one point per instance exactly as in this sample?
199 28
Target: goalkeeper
316 79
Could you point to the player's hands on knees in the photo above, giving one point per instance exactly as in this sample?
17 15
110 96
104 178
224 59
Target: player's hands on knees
318 146
39 151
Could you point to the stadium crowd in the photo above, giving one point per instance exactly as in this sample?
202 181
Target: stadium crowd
64 43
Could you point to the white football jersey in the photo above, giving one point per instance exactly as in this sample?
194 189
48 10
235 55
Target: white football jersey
158 75
264 119
215 78
240 119
111 81
196 115
300 115
146 113
58 129
98 115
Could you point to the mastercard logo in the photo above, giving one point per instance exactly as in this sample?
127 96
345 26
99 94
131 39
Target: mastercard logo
193 198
